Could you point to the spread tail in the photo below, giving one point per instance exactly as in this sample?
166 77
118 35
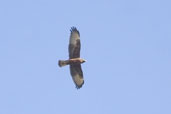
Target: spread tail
62 63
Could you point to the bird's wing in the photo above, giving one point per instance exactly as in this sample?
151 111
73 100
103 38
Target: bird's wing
77 75
74 43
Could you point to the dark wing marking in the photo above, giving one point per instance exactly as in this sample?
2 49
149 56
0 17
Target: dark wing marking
77 75
74 44
74 50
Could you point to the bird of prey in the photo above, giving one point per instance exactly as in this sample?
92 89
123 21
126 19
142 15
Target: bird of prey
74 60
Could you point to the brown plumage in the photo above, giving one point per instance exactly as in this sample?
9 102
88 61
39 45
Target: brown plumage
74 58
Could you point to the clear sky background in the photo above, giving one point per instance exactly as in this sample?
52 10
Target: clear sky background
127 45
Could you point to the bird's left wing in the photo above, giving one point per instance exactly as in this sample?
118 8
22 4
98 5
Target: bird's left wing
77 75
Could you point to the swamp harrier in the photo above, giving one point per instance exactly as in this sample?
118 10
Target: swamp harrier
74 60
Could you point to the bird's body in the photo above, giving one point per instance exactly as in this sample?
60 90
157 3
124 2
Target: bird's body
74 58
70 62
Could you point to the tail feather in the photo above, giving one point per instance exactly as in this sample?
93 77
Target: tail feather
62 63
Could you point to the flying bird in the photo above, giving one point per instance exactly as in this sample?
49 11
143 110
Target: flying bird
74 60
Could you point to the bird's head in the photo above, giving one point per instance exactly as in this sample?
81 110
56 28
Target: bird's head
82 60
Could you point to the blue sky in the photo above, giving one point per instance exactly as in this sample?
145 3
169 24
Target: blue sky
127 45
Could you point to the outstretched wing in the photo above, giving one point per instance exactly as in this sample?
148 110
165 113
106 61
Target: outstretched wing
74 43
77 75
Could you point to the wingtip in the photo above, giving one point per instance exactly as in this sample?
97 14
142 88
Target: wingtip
74 29
79 86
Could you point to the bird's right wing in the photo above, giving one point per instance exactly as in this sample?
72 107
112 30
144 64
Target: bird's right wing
74 43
